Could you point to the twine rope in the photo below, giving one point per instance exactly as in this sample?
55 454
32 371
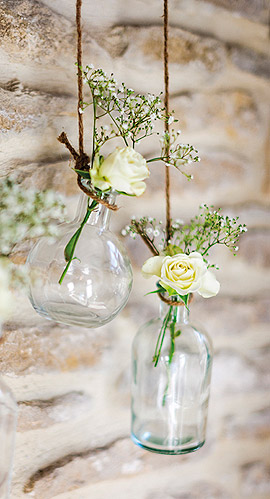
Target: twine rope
173 303
82 160
169 301
166 124
79 81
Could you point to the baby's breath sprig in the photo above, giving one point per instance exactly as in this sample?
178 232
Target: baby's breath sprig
208 229
148 229
204 231
132 114
180 155
26 214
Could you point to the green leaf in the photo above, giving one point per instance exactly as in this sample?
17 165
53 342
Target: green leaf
184 299
125 194
170 290
71 245
172 250
69 249
156 291
82 173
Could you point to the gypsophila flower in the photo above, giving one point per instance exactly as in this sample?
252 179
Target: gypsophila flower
204 231
149 227
175 154
133 115
26 214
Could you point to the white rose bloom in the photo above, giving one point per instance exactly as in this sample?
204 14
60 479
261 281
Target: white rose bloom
183 273
123 170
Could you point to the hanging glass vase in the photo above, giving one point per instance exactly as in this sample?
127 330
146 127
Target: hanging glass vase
94 286
170 386
8 417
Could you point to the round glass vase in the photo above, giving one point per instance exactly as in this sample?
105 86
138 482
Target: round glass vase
8 418
97 283
170 395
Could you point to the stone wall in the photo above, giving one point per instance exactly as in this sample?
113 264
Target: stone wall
72 386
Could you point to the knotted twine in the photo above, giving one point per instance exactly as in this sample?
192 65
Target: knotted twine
173 303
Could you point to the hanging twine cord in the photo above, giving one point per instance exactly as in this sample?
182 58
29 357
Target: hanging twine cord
79 81
169 301
166 124
82 160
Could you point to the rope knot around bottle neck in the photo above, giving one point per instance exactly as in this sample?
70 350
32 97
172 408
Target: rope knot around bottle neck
82 163
174 303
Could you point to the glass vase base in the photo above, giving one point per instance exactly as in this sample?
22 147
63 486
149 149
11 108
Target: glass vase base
159 447
73 315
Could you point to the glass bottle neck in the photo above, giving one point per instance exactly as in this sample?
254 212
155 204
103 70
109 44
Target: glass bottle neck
179 312
100 216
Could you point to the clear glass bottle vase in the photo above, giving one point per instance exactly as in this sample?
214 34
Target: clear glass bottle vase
170 399
97 283
8 418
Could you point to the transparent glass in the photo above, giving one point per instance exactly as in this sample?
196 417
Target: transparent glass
8 417
98 281
170 400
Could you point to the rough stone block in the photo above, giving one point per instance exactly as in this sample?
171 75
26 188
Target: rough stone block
256 479
251 62
255 424
49 348
255 10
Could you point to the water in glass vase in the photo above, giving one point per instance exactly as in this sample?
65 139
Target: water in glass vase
170 399
94 286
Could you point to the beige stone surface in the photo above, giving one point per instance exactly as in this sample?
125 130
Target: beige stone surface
72 385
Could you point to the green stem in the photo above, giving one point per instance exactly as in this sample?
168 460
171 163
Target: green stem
172 348
161 337
154 159
112 118
114 121
210 246
172 330
94 130
74 239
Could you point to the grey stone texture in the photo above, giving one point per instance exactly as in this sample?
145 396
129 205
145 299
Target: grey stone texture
72 385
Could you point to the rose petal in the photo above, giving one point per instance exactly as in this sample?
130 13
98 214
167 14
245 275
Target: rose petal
138 188
167 283
209 285
152 266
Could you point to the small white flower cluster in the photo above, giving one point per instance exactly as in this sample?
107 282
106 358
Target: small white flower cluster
25 214
180 155
209 228
127 232
204 231
133 115
146 225
177 223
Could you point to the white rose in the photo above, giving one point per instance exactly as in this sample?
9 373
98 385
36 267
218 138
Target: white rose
183 273
123 170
